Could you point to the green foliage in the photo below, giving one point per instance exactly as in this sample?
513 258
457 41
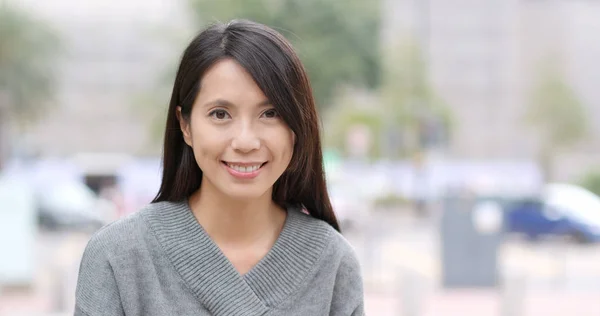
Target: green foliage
556 111
408 97
28 54
591 181
404 100
346 113
336 40
391 201
406 90
557 114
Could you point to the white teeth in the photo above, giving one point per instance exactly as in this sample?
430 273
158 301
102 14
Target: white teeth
244 169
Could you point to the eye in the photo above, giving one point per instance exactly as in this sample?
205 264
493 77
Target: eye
272 113
219 114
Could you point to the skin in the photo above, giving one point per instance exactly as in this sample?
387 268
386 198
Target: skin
233 121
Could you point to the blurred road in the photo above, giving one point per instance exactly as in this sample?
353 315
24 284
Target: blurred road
401 263
401 270
57 263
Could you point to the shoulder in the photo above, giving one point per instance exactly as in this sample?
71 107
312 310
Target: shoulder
121 235
342 254
349 263
337 248
340 262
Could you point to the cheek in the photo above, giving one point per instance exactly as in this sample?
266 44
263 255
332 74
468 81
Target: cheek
280 142
206 143
287 141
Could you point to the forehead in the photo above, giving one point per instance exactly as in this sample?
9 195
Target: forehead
228 80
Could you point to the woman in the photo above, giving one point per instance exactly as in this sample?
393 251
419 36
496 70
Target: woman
228 233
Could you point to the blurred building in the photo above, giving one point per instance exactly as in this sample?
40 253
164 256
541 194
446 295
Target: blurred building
483 56
114 52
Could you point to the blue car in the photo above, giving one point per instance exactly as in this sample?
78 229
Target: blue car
563 210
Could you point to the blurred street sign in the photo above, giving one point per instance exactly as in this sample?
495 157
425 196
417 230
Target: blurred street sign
470 235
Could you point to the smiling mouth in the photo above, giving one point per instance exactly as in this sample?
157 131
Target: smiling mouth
244 168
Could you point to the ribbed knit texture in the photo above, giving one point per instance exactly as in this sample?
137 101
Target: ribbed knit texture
160 259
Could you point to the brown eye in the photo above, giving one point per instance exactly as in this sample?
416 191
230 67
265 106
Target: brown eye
272 113
219 114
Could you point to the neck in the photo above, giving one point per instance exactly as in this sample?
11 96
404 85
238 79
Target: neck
236 221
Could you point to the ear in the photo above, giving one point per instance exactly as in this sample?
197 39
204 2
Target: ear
184 125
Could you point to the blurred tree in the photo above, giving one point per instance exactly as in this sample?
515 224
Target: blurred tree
28 51
336 40
413 110
591 181
405 117
352 108
557 114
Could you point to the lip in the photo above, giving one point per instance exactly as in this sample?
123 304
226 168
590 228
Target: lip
244 175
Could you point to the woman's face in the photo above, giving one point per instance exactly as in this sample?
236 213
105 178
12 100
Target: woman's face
239 141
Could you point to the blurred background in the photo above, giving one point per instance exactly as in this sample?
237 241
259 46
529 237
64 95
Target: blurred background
462 141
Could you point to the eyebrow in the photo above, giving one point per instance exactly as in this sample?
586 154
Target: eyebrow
225 103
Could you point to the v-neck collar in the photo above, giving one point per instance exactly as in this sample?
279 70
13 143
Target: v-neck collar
214 279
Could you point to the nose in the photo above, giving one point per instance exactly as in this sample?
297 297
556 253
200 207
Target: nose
245 140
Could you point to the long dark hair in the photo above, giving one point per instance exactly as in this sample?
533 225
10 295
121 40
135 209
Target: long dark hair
277 70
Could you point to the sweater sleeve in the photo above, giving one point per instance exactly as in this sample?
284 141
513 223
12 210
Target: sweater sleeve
97 292
348 293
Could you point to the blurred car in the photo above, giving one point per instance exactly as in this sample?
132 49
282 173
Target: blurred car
562 210
72 205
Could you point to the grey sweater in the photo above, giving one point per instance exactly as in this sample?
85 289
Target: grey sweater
160 261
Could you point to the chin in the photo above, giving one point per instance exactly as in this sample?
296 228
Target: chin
245 193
